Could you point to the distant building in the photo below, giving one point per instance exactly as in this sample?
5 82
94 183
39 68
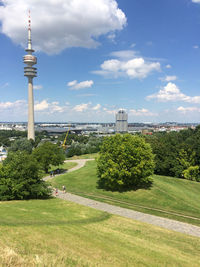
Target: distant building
121 121
3 153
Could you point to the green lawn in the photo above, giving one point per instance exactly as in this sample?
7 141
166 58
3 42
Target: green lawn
85 156
168 195
66 166
63 167
59 233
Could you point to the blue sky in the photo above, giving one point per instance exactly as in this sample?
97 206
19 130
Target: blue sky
95 57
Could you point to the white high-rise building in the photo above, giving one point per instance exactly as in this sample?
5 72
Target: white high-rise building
30 72
121 121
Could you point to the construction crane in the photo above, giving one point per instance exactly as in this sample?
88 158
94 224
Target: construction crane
64 143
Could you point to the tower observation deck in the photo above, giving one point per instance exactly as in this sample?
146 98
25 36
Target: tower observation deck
30 72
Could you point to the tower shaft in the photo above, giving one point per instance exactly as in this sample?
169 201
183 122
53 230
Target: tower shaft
31 130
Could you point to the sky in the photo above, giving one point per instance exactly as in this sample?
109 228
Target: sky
96 57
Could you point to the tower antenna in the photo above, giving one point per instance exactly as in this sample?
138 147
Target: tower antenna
29 30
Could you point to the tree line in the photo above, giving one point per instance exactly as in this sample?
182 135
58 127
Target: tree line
177 154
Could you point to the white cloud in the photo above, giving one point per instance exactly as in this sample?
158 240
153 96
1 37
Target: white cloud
87 107
37 87
196 1
171 92
141 112
169 78
196 47
112 37
110 111
57 25
97 107
81 107
49 107
188 109
168 66
12 105
135 68
124 54
74 85
40 106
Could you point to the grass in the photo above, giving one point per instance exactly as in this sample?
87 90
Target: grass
63 168
85 156
168 197
66 166
59 233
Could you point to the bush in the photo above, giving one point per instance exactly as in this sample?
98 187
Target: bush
192 173
125 162
20 178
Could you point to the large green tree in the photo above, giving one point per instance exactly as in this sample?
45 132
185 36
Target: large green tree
20 178
49 154
125 162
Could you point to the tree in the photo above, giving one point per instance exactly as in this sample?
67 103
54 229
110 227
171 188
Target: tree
92 146
49 154
22 144
192 173
125 162
20 178
175 151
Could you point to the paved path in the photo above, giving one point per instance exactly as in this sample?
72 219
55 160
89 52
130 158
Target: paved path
80 164
177 226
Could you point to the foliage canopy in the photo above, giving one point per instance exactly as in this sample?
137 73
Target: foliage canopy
21 144
176 152
49 154
125 162
20 178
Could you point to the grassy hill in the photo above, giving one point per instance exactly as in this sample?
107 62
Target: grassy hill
168 197
59 233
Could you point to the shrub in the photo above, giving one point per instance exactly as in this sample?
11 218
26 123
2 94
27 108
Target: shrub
192 173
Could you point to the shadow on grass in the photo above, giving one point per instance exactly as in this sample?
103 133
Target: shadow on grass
54 222
122 189
58 171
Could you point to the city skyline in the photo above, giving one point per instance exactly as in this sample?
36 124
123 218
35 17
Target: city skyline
141 56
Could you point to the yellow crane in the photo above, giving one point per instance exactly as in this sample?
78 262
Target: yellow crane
64 143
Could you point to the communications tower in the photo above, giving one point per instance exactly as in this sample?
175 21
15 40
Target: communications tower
30 72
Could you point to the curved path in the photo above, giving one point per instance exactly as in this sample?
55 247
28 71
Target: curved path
131 214
80 164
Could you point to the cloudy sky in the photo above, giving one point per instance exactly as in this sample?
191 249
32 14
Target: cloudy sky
95 57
